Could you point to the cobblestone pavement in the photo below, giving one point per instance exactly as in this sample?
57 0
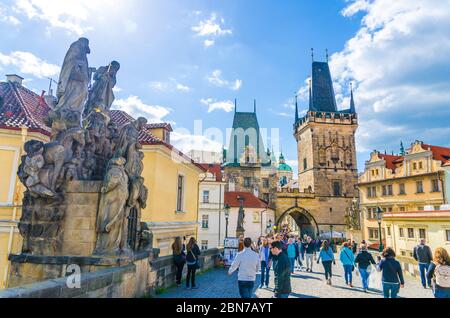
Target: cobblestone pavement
217 284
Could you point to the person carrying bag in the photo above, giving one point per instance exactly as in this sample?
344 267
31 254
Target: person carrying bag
348 261
193 252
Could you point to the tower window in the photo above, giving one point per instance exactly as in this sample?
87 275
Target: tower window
305 163
337 188
247 182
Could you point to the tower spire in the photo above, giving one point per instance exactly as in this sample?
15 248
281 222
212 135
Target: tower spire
352 101
312 54
326 51
296 109
235 105
254 105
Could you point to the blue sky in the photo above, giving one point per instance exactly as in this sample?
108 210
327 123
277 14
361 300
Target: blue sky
184 61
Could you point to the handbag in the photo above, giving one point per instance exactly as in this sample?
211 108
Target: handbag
194 263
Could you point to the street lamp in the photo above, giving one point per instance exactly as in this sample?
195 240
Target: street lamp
227 215
379 219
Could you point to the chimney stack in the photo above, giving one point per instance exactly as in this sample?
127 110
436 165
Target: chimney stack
14 78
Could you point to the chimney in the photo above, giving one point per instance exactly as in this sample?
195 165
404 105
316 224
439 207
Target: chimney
14 78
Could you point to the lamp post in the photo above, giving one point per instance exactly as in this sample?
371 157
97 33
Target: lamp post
331 233
227 215
379 219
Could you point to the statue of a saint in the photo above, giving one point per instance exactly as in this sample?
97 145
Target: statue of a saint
74 78
101 95
240 221
128 135
111 212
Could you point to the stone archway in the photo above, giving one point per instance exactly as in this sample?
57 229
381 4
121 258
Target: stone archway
304 220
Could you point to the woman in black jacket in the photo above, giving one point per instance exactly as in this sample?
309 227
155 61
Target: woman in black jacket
179 258
192 254
364 259
282 270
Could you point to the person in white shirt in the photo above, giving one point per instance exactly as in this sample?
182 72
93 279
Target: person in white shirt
248 264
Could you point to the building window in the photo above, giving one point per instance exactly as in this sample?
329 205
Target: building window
447 232
401 189
414 166
247 182
420 165
265 183
205 221
402 232
420 208
390 190
337 188
206 196
422 233
371 192
410 233
266 197
384 190
204 245
305 164
402 209
373 234
437 207
419 186
180 193
389 231
435 185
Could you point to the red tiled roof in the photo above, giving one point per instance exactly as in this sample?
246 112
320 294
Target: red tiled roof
250 200
165 126
215 169
390 160
439 153
22 108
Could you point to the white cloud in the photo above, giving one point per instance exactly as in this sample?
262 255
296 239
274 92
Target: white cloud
186 142
216 79
28 63
134 106
213 104
6 17
117 89
73 16
169 86
211 28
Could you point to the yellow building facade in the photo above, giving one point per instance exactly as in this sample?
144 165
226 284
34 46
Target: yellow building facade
405 229
415 181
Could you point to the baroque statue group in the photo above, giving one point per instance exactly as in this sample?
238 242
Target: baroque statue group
85 145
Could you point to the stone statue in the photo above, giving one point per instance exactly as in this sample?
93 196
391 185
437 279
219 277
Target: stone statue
352 217
111 213
240 221
129 134
72 89
101 95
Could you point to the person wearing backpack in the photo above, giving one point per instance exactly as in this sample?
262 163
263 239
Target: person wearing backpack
179 258
327 257
348 261
422 254
193 252
439 273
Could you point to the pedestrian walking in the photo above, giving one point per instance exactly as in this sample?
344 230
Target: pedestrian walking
392 275
309 252
439 273
348 261
327 257
179 259
364 260
264 258
354 247
282 271
291 254
422 254
303 244
297 245
192 254
247 262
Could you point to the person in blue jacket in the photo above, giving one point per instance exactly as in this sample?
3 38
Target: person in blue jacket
291 254
327 257
348 261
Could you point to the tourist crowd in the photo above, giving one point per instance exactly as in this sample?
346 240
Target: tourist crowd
284 254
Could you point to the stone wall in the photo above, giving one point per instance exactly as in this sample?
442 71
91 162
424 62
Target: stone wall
143 277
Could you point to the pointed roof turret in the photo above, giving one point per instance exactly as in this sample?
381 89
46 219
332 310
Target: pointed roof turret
323 98
352 101
254 106
296 110
402 149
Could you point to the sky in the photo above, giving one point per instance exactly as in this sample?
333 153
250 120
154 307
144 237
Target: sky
185 62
